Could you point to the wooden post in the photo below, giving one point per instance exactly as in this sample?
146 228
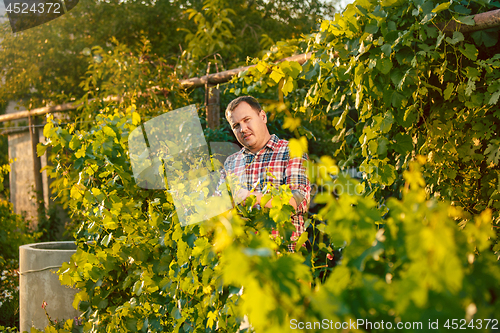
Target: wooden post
37 166
212 102
213 106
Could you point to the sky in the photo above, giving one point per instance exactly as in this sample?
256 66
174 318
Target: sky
345 2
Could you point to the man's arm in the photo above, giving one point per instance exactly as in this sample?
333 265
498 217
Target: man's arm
299 183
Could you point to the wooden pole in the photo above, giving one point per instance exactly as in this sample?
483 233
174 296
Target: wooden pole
49 109
37 166
483 21
213 106
212 102
225 76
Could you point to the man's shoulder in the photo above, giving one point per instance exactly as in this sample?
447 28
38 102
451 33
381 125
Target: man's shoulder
282 143
279 144
235 155
232 158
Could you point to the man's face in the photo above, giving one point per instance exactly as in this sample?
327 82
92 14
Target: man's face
249 127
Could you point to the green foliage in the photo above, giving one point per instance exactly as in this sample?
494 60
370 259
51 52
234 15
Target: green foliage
69 326
388 84
49 226
4 170
418 267
9 293
143 271
213 30
14 232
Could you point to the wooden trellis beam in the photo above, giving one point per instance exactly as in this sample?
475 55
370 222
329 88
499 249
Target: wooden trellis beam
211 79
483 21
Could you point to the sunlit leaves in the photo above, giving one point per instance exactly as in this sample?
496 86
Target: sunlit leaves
441 7
276 75
291 123
298 147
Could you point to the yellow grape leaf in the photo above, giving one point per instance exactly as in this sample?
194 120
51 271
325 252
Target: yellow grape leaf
291 123
298 147
136 118
212 317
276 76
77 191
261 67
288 86
109 131
302 239
441 7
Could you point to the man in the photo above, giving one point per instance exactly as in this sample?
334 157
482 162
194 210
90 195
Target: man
263 153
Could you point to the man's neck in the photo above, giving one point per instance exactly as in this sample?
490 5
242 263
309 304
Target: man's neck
256 150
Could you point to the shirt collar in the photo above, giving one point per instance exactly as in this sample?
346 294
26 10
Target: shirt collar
271 144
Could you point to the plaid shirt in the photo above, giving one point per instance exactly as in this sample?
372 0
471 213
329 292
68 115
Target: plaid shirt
251 170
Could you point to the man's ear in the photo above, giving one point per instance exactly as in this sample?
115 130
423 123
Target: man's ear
263 116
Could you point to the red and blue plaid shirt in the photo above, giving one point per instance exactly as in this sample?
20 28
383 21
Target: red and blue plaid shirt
252 171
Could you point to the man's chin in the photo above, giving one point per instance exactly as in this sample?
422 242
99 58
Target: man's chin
248 145
248 141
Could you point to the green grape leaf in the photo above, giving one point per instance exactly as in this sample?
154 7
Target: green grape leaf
371 28
470 51
461 10
494 98
468 20
488 38
449 90
403 143
457 38
384 65
387 174
492 152
387 49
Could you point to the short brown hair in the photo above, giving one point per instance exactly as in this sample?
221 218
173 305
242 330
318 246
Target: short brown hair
254 104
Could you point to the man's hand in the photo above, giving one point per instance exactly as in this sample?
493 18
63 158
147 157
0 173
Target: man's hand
243 194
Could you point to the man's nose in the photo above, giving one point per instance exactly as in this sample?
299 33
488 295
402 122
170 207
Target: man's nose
243 128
